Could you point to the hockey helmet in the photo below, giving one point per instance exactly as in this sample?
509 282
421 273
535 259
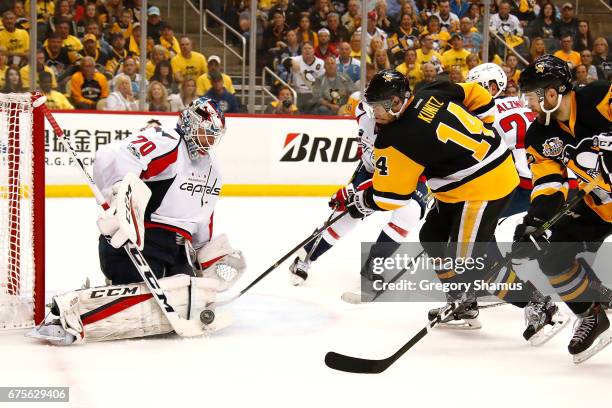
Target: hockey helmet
383 86
544 73
486 73
201 113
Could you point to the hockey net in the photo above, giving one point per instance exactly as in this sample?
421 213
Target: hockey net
22 150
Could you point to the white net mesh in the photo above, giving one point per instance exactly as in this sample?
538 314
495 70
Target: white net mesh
16 216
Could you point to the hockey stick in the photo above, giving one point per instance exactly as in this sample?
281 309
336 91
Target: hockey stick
183 327
314 235
356 298
350 364
318 240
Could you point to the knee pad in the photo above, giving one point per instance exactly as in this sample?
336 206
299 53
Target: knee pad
402 221
339 229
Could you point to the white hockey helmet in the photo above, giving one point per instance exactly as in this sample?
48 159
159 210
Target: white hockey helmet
202 113
485 73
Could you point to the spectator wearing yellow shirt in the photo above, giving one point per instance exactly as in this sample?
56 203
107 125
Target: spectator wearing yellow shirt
410 68
512 63
426 53
16 40
440 38
356 47
457 55
72 43
88 86
55 99
158 54
124 24
169 41
44 10
566 53
3 64
203 83
188 62
40 67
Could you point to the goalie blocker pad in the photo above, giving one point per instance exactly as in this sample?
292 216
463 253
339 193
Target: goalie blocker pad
128 311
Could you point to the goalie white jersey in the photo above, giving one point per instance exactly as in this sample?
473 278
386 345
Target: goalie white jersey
184 191
512 120
367 137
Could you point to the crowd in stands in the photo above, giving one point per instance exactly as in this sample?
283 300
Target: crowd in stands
88 57
88 53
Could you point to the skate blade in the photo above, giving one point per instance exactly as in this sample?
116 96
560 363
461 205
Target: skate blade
296 280
550 330
463 324
356 298
56 341
603 341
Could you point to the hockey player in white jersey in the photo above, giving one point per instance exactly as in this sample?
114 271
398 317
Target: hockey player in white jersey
394 231
512 119
174 182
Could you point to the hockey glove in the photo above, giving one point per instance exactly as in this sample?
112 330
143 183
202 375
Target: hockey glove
524 235
124 220
358 208
342 197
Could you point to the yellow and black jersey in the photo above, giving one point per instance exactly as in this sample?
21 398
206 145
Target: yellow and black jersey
441 136
553 149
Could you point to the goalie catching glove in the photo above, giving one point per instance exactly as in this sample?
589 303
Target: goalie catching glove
124 219
219 260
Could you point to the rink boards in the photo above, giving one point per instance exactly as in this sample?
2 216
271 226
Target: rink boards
260 155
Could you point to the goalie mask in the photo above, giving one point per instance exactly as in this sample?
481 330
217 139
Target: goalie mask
382 88
202 124
484 74
544 73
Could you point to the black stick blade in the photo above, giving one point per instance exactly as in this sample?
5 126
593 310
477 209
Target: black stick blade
357 365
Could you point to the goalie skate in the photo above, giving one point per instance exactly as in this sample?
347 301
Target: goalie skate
52 332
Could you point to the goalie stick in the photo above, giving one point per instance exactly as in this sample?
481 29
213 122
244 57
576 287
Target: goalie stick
183 327
351 364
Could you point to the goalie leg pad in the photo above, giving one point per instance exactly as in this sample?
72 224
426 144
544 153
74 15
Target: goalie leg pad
120 311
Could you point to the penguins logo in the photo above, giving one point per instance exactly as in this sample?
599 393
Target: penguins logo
387 77
552 147
539 68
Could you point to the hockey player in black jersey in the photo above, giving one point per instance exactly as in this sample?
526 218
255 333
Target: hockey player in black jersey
573 131
440 133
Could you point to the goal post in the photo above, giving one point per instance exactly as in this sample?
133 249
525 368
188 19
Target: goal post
22 212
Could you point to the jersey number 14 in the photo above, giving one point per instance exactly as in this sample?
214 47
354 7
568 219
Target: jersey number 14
473 125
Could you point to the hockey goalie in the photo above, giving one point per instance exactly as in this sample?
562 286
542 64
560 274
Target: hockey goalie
161 185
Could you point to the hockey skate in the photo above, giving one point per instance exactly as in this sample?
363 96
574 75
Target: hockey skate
591 334
299 271
367 291
544 320
464 317
53 332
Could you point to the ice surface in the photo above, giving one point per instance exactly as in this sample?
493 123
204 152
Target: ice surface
272 356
